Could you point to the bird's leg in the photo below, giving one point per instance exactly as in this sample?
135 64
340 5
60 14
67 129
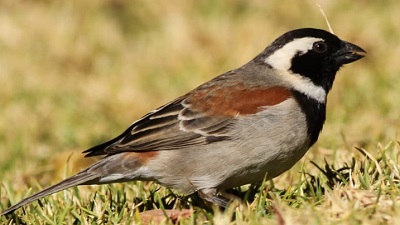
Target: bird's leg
211 195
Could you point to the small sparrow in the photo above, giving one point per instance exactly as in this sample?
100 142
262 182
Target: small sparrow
250 123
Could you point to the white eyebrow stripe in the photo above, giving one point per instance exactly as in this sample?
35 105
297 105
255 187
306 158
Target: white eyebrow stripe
281 58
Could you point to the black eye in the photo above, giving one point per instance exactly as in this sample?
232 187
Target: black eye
320 47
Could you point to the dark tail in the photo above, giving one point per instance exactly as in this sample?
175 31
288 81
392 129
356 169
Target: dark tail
83 177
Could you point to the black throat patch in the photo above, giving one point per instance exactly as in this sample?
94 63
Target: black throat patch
315 114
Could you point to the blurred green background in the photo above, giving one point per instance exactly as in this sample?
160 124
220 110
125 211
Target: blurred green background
76 73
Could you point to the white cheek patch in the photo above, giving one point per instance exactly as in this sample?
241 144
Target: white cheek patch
304 85
281 59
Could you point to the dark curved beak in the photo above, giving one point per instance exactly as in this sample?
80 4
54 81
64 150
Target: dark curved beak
349 53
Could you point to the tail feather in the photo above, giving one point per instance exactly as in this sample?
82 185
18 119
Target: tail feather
83 177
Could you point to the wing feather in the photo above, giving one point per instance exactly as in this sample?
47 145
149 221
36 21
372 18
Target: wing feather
173 126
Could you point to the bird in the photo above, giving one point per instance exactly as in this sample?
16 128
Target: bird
243 126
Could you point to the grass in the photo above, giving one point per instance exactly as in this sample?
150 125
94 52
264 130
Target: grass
76 73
